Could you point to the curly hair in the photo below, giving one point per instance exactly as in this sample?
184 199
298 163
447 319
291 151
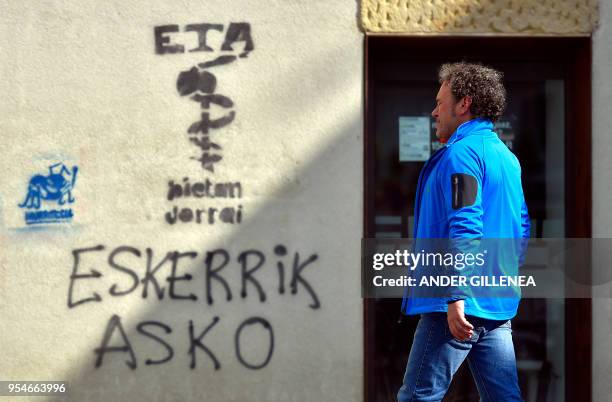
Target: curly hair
483 84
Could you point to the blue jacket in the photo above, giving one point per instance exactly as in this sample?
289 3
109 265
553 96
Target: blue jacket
471 188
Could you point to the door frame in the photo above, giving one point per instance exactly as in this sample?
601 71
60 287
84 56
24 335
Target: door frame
576 53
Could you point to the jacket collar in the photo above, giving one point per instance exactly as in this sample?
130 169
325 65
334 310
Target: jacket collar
470 127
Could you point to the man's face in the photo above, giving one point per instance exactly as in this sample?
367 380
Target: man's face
445 113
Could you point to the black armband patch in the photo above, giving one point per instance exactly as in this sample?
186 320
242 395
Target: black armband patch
464 190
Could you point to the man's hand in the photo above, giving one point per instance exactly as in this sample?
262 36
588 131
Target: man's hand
459 326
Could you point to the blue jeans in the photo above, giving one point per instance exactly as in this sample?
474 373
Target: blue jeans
436 355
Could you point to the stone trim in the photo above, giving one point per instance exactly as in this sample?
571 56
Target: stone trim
556 17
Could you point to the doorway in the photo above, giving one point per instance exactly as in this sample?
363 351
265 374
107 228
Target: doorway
547 124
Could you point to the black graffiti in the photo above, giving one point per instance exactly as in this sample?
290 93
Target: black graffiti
201 85
206 188
213 273
296 278
115 324
202 30
207 161
205 124
248 272
76 254
267 326
162 40
196 343
208 274
112 263
149 276
237 32
280 251
173 278
204 215
141 328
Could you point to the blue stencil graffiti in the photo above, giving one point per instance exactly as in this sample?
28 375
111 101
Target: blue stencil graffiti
54 188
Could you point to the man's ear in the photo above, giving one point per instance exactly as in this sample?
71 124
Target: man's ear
463 106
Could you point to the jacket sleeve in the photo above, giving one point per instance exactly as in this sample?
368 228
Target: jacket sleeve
525 232
461 185
525 222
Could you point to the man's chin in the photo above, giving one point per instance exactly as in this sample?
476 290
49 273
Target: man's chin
441 137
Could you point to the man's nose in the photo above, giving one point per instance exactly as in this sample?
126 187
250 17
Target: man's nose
434 113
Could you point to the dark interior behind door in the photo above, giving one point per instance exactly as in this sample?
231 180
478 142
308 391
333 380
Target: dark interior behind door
547 125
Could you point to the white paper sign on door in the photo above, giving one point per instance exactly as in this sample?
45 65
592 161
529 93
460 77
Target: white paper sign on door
414 139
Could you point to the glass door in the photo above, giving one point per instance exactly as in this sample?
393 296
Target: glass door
401 89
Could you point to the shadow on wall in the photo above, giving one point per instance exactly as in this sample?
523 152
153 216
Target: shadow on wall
251 317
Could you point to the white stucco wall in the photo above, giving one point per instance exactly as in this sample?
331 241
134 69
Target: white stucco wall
81 84
602 198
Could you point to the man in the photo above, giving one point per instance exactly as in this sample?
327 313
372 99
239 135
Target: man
469 189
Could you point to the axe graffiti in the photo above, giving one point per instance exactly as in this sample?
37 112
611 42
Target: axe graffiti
200 84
